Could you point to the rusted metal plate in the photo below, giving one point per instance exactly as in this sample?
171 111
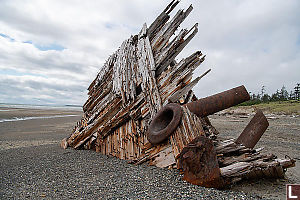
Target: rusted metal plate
199 163
254 130
164 123
215 103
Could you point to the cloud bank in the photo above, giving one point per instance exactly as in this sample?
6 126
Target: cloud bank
51 50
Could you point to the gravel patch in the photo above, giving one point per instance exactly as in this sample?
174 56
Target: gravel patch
49 172
26 143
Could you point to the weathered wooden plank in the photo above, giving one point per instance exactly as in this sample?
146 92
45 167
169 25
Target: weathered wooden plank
188 129
164 158
146 67
257 168
163 36
161 19
182 92
169 53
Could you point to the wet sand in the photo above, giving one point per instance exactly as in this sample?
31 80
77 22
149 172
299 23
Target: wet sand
33 132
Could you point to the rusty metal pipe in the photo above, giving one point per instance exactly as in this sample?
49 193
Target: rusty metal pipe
254 130
215 103
166 120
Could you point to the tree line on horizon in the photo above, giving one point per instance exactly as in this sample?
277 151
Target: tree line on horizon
280 95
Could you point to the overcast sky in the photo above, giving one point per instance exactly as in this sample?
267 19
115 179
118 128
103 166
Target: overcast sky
51 50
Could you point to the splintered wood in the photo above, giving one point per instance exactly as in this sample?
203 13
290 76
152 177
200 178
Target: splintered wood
137 81
134 84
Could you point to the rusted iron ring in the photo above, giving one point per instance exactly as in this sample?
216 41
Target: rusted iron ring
164 123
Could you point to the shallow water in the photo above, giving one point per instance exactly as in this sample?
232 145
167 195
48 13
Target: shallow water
44 107
31 118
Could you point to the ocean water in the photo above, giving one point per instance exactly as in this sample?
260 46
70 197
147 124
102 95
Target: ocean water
31 118
5 107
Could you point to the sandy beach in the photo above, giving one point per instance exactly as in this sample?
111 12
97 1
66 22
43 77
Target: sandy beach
33 166
32 127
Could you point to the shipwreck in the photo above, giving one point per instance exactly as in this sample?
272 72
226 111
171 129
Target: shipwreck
141 108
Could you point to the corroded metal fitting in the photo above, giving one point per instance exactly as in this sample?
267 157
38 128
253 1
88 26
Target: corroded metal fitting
254 130
164 123
166 120
215 103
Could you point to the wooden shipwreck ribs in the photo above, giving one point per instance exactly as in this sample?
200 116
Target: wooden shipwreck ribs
141 108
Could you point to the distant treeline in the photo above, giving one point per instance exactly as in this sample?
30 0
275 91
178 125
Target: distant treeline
279 95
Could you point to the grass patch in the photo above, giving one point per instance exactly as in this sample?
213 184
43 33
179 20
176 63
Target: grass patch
278 107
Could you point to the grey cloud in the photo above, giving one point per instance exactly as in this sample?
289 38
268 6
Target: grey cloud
19 89
251 42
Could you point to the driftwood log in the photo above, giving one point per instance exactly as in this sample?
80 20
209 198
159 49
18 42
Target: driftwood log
141 108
